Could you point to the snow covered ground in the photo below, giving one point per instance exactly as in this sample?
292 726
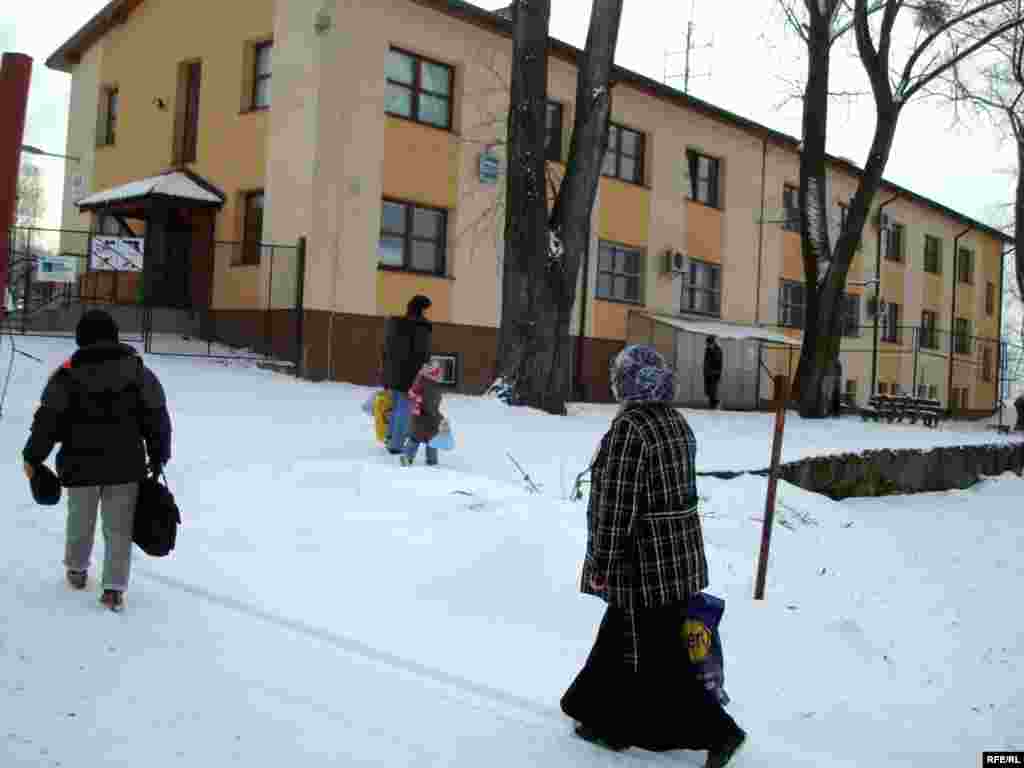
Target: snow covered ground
327 607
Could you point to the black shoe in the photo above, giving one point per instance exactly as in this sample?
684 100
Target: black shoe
77 579
720 757
589 734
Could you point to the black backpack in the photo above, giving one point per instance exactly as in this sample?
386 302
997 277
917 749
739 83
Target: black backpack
156 518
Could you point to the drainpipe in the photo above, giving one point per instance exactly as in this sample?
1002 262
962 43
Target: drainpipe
760 235
952 319
878 289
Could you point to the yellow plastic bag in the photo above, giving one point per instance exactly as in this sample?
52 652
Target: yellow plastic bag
382 404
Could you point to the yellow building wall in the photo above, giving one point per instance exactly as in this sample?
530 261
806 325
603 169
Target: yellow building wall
610 319
623 215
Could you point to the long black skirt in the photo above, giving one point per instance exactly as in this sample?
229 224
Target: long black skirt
659 706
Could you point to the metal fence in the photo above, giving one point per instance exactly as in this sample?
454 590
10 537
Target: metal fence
209 299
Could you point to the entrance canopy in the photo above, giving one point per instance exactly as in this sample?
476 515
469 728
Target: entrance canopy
179 189
725 330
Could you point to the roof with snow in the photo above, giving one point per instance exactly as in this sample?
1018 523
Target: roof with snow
723 330
177 185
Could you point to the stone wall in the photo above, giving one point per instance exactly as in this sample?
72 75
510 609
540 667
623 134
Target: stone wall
884 472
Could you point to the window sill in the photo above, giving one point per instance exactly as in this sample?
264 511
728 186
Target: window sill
698 313
625 302
702 204
414 121
639 184
241 266
415 272
254 110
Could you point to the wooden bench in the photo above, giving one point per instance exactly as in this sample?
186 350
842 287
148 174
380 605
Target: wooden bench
899 407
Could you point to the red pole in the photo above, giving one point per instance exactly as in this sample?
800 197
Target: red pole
773 481
15 75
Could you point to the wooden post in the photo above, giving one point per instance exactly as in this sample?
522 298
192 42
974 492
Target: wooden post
782 392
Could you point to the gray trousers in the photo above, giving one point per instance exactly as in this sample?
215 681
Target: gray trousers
118 503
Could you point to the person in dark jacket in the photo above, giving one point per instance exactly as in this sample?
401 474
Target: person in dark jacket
645 559
425 397
712 370
108 412
1019 405
407 342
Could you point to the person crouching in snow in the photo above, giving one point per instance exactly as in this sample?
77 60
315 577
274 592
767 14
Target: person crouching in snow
425 401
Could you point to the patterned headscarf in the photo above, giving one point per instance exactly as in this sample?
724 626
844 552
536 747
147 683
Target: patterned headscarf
639 374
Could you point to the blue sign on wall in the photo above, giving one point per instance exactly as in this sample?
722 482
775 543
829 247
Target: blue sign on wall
490 167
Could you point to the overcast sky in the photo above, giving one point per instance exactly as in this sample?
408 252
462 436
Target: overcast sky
964 168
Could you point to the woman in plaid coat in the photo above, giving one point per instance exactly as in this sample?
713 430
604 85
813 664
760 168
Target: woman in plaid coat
645 558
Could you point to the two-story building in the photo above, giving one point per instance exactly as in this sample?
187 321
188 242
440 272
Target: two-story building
374 130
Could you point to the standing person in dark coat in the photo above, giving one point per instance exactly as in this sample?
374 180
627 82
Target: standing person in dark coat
712 370
108 412
645 558
407 343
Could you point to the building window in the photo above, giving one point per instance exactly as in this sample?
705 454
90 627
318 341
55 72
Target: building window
449 365
933 392
107 133
851 315
965 266
929 337
553 132
419 89
883 388
791 205
704 178
891 323
960 398
186 134
413 237
252 230
791 304
624 158
962 336
922 391
932 255
986 363
618 273
702 289
894 240
990 298
261 75
844 212
851 390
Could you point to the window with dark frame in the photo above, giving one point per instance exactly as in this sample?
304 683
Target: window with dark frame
791 205
702 289
962 336
929 337
619 270
851 390
419 89
190 74
261 75
895 237
851 315
413 237
990 298
108 126
986 364
704 178
252 230
933 392
449 365
883 388
965 266
932 255
792 299
624 158
553 132
844 211
891 331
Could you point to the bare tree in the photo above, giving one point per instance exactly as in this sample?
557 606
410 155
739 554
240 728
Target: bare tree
544 250
31 203
932 53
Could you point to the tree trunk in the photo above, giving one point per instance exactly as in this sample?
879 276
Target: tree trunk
1018 220
543 254
813 203
526 230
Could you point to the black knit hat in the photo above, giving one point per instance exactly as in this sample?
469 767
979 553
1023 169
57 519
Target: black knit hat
45 486
417 304
95 326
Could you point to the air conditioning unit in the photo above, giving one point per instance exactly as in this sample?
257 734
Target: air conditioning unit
675 262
